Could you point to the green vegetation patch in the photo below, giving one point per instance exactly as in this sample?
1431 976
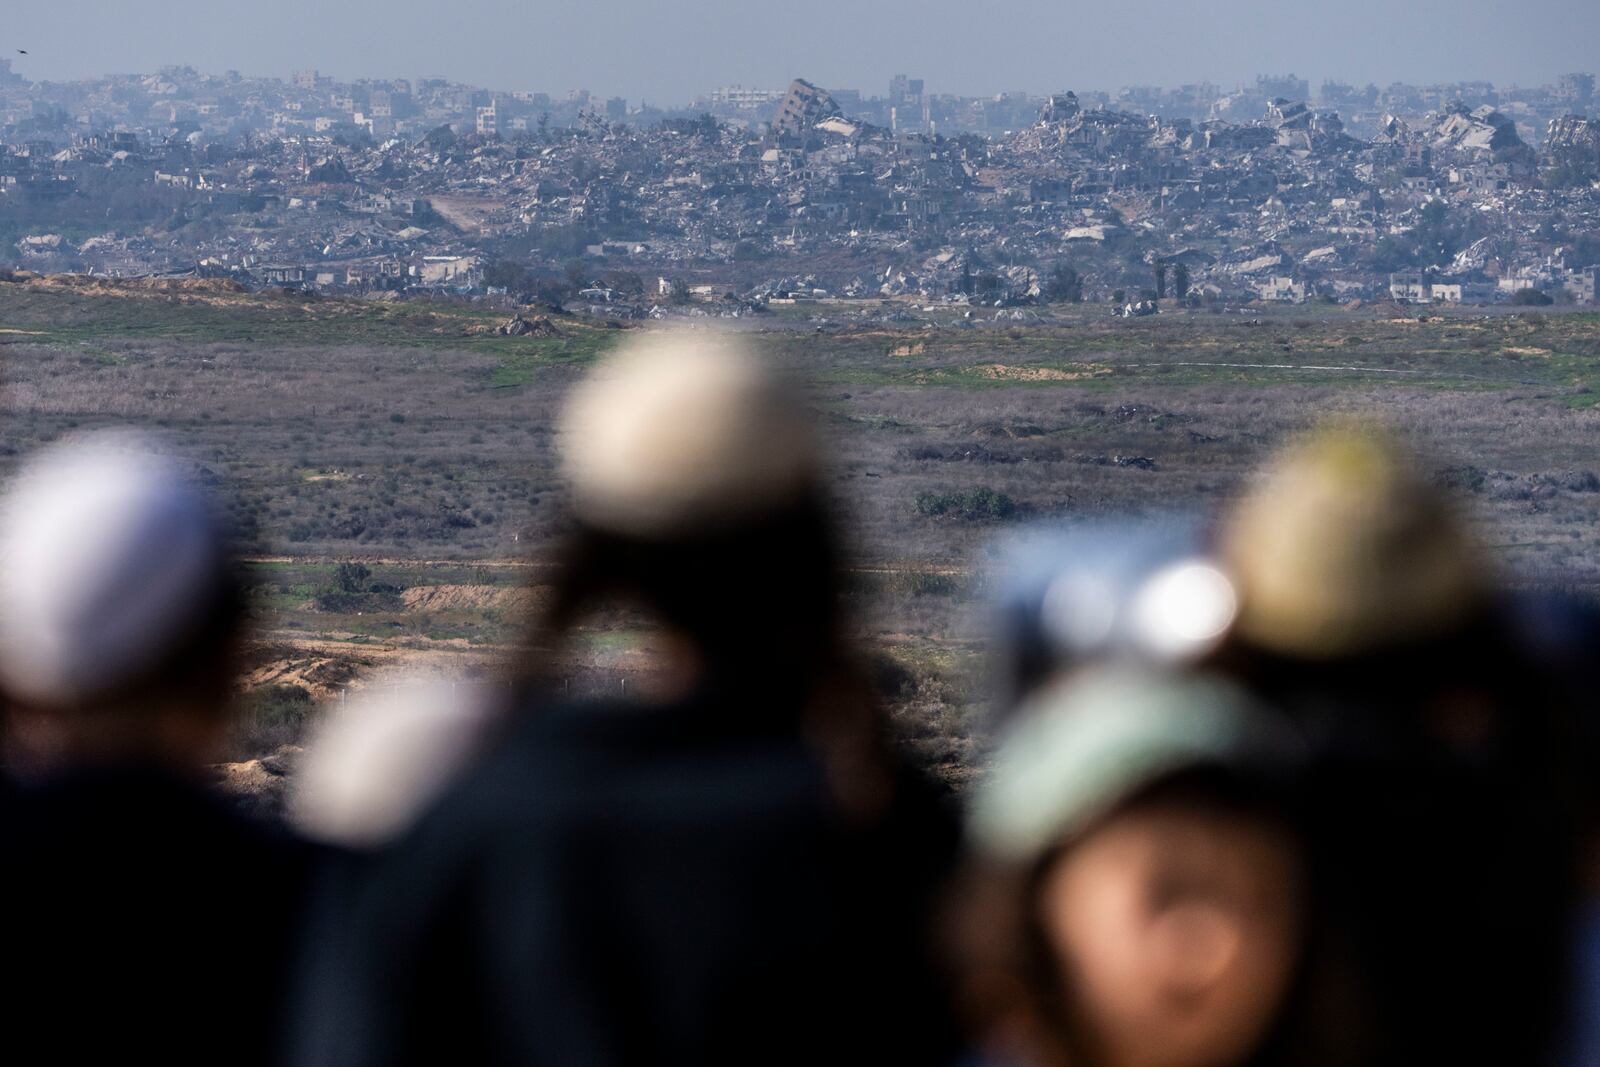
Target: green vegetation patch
980 504
77 315
521 365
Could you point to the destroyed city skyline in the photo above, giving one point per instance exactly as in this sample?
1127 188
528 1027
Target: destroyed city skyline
665 58
1279 190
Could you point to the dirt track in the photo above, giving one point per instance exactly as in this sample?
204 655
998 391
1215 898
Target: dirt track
327 664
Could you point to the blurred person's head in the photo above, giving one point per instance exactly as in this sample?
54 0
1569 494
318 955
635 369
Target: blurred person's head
1365 600
1442 784
696 493
120 613
1139 898
1344 547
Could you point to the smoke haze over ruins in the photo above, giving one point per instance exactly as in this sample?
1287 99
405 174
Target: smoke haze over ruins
665 55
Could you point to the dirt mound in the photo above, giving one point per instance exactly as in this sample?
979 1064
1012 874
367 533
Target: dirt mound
100 284
1003 372
471 598
318 673
191 285
259 786
79 281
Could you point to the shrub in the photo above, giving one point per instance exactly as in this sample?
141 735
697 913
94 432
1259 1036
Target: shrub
352 591
1583 482
271 717
890 678
924 583
337 603
1462 479
1530 298
352 577
981 504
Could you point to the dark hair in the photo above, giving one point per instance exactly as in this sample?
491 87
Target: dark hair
760 598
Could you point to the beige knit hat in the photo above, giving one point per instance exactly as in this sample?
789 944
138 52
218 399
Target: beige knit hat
680 431
1343 547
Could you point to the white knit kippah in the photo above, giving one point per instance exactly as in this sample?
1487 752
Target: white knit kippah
108 557
680 431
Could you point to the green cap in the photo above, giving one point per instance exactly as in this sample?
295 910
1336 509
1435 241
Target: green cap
1079 749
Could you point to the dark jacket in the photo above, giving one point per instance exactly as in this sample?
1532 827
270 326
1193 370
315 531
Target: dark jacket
618 885
1439 819
146 920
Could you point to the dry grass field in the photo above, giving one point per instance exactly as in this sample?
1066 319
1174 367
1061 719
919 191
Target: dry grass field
412 440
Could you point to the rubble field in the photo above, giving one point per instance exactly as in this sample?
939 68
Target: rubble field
1453 193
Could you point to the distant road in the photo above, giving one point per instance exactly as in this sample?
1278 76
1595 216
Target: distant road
1441 373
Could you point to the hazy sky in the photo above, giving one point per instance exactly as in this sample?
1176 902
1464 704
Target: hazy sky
668 52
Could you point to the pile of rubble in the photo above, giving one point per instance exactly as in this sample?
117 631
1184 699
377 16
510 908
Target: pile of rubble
537 326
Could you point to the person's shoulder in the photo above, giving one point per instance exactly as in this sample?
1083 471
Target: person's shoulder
525 795
546 748
559 765
533 767
182 849
160 803
590 735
